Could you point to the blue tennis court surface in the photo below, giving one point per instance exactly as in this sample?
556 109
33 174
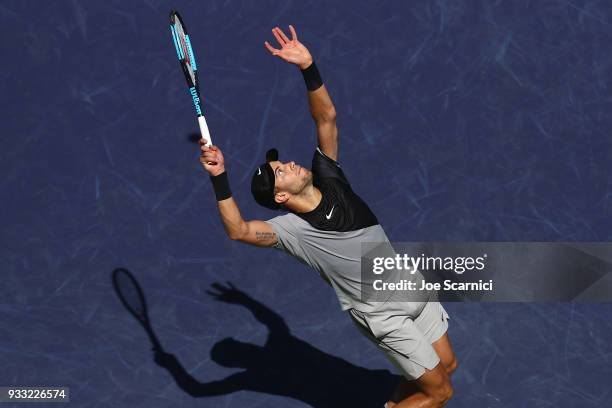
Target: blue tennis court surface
458 121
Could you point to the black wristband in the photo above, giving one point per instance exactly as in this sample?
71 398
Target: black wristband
312 77
221 186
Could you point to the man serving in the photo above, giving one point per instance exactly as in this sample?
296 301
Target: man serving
325 224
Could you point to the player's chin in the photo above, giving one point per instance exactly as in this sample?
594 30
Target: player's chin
307 179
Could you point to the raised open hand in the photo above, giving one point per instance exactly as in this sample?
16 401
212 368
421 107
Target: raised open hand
292 50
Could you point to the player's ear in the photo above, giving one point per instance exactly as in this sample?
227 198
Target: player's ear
281 197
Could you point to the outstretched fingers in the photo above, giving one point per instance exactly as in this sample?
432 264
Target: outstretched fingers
293 33
282 40
273 51
282 34
277 34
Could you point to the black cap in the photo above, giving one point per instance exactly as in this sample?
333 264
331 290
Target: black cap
262 183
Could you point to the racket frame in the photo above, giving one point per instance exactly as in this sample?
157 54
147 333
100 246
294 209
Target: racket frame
193 84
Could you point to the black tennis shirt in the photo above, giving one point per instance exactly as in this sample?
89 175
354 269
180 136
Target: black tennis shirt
340 209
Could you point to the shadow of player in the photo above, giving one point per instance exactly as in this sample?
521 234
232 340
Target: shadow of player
285 365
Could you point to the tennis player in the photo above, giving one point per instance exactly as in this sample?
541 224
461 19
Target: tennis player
325 223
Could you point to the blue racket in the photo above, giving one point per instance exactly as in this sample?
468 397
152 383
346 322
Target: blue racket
184 51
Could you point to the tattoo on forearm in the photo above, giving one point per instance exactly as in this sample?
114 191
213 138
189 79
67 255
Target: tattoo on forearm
264 236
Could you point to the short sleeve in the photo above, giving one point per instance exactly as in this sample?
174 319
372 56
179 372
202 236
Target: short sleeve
324 166
287 235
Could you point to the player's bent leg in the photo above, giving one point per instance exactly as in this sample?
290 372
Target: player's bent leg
444 350
431 390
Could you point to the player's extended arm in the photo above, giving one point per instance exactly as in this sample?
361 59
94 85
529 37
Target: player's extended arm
254 232
321 106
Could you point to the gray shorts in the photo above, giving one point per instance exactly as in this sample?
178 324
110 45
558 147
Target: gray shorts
406 341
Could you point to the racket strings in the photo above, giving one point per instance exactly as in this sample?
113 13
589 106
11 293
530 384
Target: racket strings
186 51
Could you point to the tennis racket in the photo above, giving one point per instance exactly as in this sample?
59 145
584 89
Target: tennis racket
133 299
184 51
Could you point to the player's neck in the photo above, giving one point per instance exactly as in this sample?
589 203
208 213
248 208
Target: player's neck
307 201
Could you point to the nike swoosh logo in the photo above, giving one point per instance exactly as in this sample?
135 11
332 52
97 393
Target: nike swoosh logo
328 216
259 172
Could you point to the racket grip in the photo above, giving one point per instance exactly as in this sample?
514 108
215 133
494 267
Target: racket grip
204 130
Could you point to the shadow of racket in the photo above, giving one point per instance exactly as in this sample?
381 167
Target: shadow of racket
132 297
